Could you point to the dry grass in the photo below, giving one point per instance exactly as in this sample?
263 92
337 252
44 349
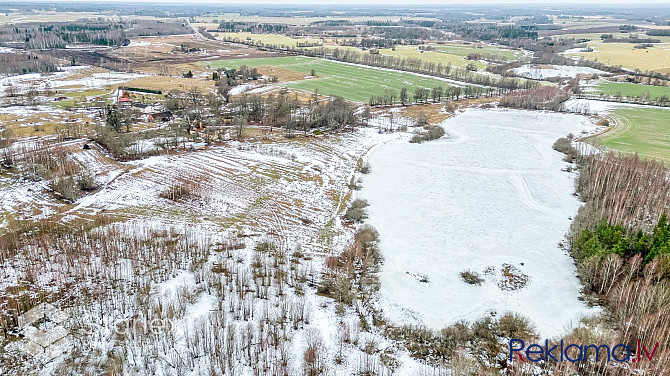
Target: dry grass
284 75
44 124
165 84
175 69
434 111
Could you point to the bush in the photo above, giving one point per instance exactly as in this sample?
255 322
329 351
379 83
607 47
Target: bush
416 139
66 187
472 278
339 287
179 191
356 211
367 238
433 133
365 168
513 325
86 181
564 145
355 214
423 343
265 246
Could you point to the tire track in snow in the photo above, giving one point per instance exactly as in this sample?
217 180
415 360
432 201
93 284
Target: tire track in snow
526 196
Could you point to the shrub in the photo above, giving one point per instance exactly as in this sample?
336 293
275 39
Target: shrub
564 145
544 98
423 343
367 249
365 168
355 214
513 325
265 246
472 278
356 211
66 187
179 191
339 287
416 139
86 181
433 132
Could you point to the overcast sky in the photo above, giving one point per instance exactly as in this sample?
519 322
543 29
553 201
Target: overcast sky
585 3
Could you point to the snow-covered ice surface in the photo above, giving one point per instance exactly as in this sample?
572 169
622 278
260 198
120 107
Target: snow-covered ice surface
556 71
490 193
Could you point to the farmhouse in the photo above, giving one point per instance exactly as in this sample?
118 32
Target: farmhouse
161 116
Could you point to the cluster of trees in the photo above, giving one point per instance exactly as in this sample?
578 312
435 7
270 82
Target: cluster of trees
226 79
58 35
618 188
615 239
104 32
130 258
486 31
545 98
659 32
286 111
43 161
353 275
21 63
620 240
488 57
422 95
251 27
609 38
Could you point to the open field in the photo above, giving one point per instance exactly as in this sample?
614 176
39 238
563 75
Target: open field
454 53
643 131
595 37
274 39
437 56
44 121
351 82
630 89
450 53
165 84
464 50
655 58
75 98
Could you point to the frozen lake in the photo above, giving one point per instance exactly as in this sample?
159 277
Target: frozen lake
491 198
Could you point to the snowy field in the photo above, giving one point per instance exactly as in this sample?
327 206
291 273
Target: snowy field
536 73
490 198
596 107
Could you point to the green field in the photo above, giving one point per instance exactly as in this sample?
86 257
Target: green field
631 90
645 131
453 54
351 82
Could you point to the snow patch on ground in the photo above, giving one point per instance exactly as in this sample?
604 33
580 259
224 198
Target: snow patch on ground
537 73
596 107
